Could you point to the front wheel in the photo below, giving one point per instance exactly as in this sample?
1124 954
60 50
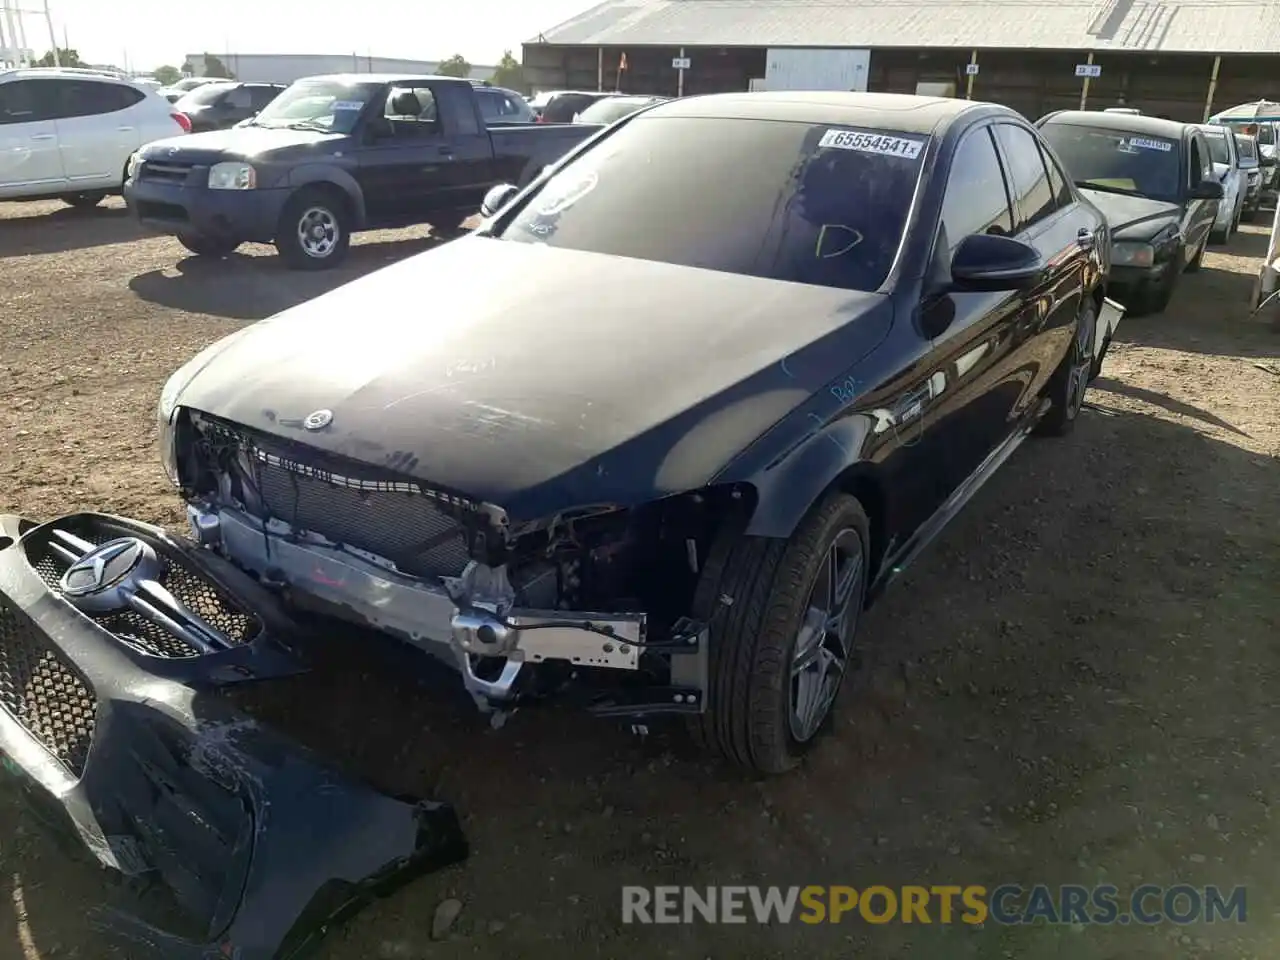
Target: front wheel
314 232
783 616
84 201
1070 381
204 245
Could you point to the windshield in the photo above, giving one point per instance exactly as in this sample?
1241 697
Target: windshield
328 105
1115 159
1218 147
204 95
614 108
816 205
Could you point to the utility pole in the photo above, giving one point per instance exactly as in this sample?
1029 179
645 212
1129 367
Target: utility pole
53 38
13 53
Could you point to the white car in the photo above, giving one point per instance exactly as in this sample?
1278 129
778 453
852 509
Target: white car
69 133
1235 182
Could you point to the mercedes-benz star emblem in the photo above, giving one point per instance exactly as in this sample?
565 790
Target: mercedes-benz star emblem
318 420
95 582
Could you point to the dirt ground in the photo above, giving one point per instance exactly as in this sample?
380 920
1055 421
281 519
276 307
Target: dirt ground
1076 684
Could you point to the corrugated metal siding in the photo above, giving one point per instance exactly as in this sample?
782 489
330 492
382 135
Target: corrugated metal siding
1191 26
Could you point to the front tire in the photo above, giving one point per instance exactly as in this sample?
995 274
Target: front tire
783 616
84 201
204 245
314 232
1070 381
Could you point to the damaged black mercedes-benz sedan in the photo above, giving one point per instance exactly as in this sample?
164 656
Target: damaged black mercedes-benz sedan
659 429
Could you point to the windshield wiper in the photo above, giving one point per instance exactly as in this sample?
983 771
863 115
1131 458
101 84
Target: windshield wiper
309 125
1107 188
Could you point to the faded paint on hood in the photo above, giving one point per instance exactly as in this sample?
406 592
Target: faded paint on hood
1134 218
235 143
540 378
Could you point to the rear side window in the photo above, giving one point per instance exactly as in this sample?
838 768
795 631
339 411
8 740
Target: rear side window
563 108
240 99
1033 196
261 95
1057 179
26 101
497 107
90 98
976 200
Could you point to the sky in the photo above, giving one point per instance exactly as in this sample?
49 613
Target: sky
155 32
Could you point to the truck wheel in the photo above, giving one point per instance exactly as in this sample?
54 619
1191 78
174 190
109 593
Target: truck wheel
84 201
204 245
783 615
1070 381
314 232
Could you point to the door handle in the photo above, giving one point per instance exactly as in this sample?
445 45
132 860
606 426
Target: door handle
446 151
42 136
124 129
1085 239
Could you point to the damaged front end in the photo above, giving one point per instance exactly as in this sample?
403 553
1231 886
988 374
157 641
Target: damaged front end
593 602
225 839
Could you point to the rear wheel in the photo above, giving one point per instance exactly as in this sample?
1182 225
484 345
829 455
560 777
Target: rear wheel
1198 260
314 232
783 616
204 245
84 201
1071 380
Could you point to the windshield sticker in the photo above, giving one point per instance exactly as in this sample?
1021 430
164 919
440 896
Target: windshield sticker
340 105
1142 143
872 143
558 197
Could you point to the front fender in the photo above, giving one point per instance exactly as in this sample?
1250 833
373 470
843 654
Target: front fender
329 174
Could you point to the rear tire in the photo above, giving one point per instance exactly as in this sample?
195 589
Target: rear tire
314 232
84 201
1198 260
781 635
204 245
1070 381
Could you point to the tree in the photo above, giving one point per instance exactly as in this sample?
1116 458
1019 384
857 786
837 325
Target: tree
66 58
187 69
455 66
510 74
167 75
213 67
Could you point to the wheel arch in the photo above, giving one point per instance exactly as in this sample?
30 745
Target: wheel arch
332 178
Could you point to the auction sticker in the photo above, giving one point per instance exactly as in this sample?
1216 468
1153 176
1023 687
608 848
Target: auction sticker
1143 143
341 106
872 143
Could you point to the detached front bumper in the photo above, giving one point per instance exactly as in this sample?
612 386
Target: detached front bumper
190 206
497 654
244 844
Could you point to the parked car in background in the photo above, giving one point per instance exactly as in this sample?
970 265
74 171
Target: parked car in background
613 108
69 134
1226 167
560 106
334 155
220 105
1253 175
176 91
1154 180
1261 119
499 105
781 404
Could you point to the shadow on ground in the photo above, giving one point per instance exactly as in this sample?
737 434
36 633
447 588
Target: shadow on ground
242 287
67 229
1067 688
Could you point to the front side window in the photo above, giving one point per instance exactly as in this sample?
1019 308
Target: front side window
1218 148
1117 161
816 204
326 105
976 200
1032 194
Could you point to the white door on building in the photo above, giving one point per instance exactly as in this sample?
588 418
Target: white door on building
795 68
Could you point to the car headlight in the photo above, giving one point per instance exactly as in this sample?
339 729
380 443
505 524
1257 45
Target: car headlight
1133 254
232 175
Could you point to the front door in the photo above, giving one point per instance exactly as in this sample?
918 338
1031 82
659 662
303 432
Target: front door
29 158
408 173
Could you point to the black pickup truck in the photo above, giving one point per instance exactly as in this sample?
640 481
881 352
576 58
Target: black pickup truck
334 155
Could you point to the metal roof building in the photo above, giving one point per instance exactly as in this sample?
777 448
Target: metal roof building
1035 55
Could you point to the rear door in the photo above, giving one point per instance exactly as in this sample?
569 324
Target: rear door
97 131
28 139
1047 220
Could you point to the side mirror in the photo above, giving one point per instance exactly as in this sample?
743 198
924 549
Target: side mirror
378 128
497 198
1207 190
986 262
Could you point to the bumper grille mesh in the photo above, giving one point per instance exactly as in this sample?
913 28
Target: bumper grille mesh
185 584
409 528
40 690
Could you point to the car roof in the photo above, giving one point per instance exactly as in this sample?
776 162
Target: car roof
1124 122
383 78
900 112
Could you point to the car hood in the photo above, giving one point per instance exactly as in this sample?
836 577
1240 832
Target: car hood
539 378
237 143
1134 218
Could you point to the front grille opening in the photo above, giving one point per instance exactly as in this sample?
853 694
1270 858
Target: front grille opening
40 690
179 578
